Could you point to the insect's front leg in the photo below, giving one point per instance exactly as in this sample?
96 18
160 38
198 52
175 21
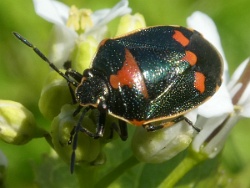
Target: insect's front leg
77 77
79 128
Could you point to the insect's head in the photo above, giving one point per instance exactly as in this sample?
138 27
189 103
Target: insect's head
92 91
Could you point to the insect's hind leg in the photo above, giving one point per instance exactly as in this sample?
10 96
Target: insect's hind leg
151 127
181 118
121 129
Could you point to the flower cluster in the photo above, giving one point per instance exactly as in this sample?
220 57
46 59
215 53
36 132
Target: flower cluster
215 118
77 33
75 26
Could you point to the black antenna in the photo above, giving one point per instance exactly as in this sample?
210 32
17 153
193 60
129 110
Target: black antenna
41 55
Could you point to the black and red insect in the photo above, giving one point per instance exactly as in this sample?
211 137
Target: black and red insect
153 74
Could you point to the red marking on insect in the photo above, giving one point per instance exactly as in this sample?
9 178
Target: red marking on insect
129 75
179 37
199 82
190 57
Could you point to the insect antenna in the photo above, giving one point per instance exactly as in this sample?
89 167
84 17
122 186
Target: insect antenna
42 56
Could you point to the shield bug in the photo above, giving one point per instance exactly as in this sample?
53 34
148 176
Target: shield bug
153 74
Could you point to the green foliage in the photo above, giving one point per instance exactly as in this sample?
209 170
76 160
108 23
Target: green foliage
22 75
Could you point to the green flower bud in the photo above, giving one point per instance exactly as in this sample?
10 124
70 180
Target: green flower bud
88 149
129 23
17 124
161 145
54 95
83 54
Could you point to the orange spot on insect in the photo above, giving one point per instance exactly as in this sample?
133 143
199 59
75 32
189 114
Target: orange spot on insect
190 57
137 123
199 82
129 75
179 37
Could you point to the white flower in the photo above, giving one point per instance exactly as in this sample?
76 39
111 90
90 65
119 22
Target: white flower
218 115
66 37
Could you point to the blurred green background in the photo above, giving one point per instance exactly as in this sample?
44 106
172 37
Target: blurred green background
22 72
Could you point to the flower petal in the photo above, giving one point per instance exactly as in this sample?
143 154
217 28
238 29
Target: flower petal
213 146
52 11
239 88
220 103
63 44
101 17
237 73
208 126
246 111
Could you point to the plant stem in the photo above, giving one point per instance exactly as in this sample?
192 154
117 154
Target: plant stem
184 166
86 175
117 172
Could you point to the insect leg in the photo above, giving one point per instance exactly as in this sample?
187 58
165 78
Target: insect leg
79 128
74 139
121 129
150 127
181 118
77 77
